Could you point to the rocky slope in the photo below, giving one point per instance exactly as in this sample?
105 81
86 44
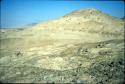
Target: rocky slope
85 46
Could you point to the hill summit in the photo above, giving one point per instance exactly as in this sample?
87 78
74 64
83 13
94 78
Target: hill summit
90 11
84 20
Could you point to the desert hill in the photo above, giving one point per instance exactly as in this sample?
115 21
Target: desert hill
84 46
85 20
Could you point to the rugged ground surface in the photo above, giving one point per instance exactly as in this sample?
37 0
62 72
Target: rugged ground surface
89 50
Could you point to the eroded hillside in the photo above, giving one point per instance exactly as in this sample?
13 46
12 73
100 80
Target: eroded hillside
85 46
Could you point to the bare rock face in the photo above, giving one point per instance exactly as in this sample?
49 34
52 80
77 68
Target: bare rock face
85 46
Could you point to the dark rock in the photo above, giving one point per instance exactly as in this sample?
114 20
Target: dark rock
18 53
106 71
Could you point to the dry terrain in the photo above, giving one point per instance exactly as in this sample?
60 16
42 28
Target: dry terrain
85 46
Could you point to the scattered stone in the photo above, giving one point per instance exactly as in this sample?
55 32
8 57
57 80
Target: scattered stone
100 45
18 72
18 53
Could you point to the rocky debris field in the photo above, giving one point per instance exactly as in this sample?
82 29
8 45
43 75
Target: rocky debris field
88 63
